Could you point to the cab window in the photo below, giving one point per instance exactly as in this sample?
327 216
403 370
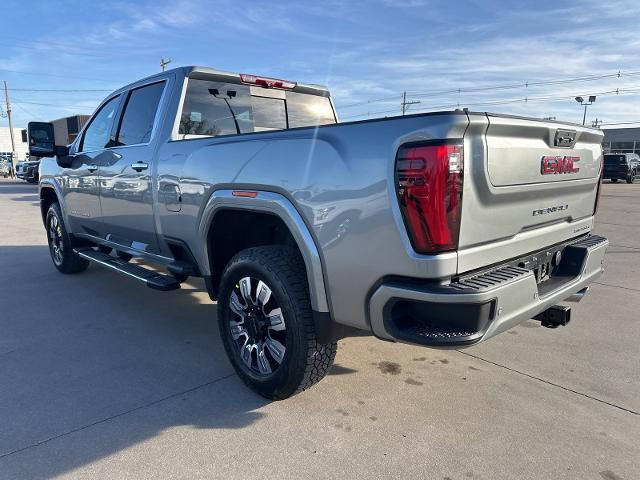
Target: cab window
140 114
96 136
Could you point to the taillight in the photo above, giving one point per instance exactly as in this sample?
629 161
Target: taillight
266 82
429 183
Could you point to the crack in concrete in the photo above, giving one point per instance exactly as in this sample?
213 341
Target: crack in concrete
618 286
567 389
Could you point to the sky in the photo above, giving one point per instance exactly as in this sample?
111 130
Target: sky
518 57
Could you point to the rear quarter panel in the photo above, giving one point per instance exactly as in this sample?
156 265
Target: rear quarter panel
341 180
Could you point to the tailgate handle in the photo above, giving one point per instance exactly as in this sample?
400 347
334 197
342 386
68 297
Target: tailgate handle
565 138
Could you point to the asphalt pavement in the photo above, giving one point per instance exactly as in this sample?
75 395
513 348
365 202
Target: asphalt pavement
101 377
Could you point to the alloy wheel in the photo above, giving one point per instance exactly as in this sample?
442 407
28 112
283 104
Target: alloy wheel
257 326
56 243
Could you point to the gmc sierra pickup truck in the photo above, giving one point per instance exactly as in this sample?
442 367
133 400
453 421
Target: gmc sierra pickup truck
438 229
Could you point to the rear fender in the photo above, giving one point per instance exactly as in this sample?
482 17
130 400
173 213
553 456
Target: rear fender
275 204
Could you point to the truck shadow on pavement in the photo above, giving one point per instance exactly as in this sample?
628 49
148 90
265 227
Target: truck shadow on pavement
94 363
27 198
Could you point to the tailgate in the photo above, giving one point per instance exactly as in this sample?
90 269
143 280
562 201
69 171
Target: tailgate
528 184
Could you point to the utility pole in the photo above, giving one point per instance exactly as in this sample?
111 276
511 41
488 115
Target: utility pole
164 63
405 104
13 143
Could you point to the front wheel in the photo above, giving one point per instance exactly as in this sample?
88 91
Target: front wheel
60 244
266 323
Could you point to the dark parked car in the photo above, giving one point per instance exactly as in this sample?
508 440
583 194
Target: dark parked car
621 166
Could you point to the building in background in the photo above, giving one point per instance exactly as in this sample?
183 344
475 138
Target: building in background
5 144
621 140
67 129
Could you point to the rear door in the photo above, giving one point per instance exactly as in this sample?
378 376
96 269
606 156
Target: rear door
126 181
528 184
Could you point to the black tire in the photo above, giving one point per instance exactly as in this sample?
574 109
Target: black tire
614 180
631 177
180 277
61 245
305 361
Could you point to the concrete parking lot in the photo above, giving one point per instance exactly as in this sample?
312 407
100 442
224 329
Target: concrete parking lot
103 378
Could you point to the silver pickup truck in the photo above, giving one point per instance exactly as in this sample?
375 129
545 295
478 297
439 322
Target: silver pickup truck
438 229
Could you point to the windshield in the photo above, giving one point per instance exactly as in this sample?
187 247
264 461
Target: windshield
217 108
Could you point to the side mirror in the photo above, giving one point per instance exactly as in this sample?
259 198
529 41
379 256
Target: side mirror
42 142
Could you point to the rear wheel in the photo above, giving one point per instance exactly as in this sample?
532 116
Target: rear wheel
61 245
266 323
631 177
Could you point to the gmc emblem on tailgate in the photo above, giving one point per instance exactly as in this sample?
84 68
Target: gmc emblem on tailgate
552 164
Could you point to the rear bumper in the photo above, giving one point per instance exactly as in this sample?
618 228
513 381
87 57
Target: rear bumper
473 310
615 174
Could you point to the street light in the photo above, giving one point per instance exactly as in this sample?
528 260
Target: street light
580 100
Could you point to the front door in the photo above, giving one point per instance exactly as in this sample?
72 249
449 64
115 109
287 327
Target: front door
126 180
80 181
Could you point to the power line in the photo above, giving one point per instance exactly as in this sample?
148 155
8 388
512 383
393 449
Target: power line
60 90
42 42
40 74
51 104
549 98
526 84
28 112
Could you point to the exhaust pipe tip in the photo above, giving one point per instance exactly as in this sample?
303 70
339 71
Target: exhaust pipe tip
554 317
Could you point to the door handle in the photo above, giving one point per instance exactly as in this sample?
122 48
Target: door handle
92 168
139 166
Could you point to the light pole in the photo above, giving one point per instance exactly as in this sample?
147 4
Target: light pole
580 100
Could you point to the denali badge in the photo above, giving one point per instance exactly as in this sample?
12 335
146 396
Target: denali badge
544 211
552 164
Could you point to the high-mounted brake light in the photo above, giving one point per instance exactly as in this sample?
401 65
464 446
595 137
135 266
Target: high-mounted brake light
266 82
429 182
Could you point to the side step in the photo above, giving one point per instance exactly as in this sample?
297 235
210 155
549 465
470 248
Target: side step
155 280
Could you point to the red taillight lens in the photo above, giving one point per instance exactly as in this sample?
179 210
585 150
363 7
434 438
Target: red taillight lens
429 182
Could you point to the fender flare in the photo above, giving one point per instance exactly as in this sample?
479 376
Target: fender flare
275 204
58 191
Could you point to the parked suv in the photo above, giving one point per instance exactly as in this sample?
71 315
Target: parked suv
621 166
6 165
440 229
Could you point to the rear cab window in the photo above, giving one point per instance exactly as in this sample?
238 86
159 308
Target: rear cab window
615 160
212 108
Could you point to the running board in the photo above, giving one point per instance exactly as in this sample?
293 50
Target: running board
155 280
